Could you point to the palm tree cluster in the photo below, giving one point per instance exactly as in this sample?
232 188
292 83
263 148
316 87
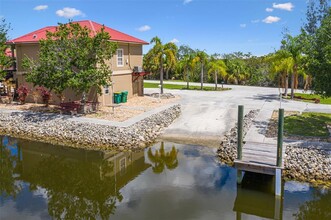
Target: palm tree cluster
304 58
185 63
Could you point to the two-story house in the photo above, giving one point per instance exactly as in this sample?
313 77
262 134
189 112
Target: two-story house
129 55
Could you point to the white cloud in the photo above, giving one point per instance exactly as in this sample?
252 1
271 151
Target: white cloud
271 19
175 41
285 6
187 1
243 25
69 12
255 21
144 28
40 7
269 9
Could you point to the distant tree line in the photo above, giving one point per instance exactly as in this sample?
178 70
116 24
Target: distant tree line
302 61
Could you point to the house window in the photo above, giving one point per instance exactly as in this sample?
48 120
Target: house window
120 57
106 89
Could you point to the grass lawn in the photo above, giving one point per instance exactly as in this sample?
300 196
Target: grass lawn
312 96
182 87
308 124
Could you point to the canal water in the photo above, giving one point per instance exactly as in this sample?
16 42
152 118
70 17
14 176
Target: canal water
166 181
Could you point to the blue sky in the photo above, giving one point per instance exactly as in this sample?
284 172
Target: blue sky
220 26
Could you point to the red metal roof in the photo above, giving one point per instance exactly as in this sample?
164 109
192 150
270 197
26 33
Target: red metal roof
115 35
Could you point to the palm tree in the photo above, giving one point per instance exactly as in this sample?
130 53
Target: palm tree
282 66
162 159
238 72
293 46
202 58
161 54
170 64
187 64
217 67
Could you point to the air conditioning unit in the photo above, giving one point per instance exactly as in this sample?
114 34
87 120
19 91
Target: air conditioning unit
137 69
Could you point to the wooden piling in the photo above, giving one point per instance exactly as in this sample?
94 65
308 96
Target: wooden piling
240 131
280 137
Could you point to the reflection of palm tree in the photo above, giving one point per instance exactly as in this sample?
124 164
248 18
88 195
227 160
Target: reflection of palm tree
163 159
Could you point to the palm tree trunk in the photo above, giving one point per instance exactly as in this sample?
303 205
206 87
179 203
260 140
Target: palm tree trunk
161 76
215 80
286 85
167 74
187 79
292 84
280 84
201 76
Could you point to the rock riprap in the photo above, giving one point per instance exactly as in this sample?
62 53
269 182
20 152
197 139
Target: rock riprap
57 129
227 152
307 163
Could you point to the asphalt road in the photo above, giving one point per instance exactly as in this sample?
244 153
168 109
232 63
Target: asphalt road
207 115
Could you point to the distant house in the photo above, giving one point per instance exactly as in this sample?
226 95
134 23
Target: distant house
129 55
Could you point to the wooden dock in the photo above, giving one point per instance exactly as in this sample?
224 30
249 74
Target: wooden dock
259 158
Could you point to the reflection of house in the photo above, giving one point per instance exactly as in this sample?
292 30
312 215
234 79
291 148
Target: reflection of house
80 184
124 166
129 55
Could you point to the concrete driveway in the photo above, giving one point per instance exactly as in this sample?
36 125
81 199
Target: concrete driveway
207 115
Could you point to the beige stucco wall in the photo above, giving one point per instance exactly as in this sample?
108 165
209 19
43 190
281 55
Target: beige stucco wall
69 94
132 57
22 50
122 76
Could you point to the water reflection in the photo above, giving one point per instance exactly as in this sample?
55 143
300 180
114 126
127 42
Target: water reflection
77 184
166 181
161 158
318 208
10 167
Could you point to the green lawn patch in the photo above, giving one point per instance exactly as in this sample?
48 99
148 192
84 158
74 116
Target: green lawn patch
310 98
308 124
182 87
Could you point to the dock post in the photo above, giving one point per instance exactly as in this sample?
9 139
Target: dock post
240 140
240 131
280 137
278 179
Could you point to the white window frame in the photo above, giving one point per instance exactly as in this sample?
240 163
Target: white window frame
117 60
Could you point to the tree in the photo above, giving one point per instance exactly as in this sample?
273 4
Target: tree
187 65
281 66
183 51
170 64
159 55
293 47
315 14
320 57
202 58
218 68
237 71
5 60
72 57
